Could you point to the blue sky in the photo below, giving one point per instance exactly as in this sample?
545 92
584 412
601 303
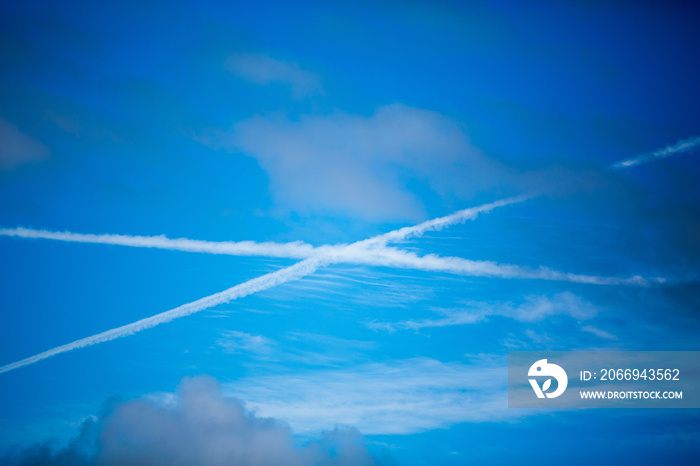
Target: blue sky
328 124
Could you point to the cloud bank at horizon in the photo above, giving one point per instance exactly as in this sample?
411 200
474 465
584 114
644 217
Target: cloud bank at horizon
198 424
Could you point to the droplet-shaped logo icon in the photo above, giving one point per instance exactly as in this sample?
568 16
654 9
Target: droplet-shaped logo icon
543 369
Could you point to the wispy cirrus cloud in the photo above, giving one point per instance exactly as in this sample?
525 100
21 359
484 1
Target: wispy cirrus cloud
233 341
265 70
533 309
307 349
598 332
16 148
393 397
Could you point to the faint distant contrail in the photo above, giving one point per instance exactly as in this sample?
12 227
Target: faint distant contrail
681 146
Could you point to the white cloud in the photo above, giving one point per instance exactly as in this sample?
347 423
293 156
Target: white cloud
265 70
296 347
400 397
361 166
233 341
197 425
598 332
534 309
17 148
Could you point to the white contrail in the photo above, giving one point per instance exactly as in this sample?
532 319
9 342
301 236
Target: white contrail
460 216
294 250
681 146
372 251
263 282
397 258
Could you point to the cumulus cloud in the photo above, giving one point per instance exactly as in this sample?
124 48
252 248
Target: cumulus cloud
198 425
17 148
361 166
264 70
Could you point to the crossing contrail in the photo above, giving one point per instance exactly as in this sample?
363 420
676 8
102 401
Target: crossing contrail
255 285
372 251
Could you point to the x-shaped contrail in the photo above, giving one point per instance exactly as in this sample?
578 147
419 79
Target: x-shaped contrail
372 251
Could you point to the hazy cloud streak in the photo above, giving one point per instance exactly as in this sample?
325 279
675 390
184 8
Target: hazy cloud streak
264 70
17 148
533 309
385 398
